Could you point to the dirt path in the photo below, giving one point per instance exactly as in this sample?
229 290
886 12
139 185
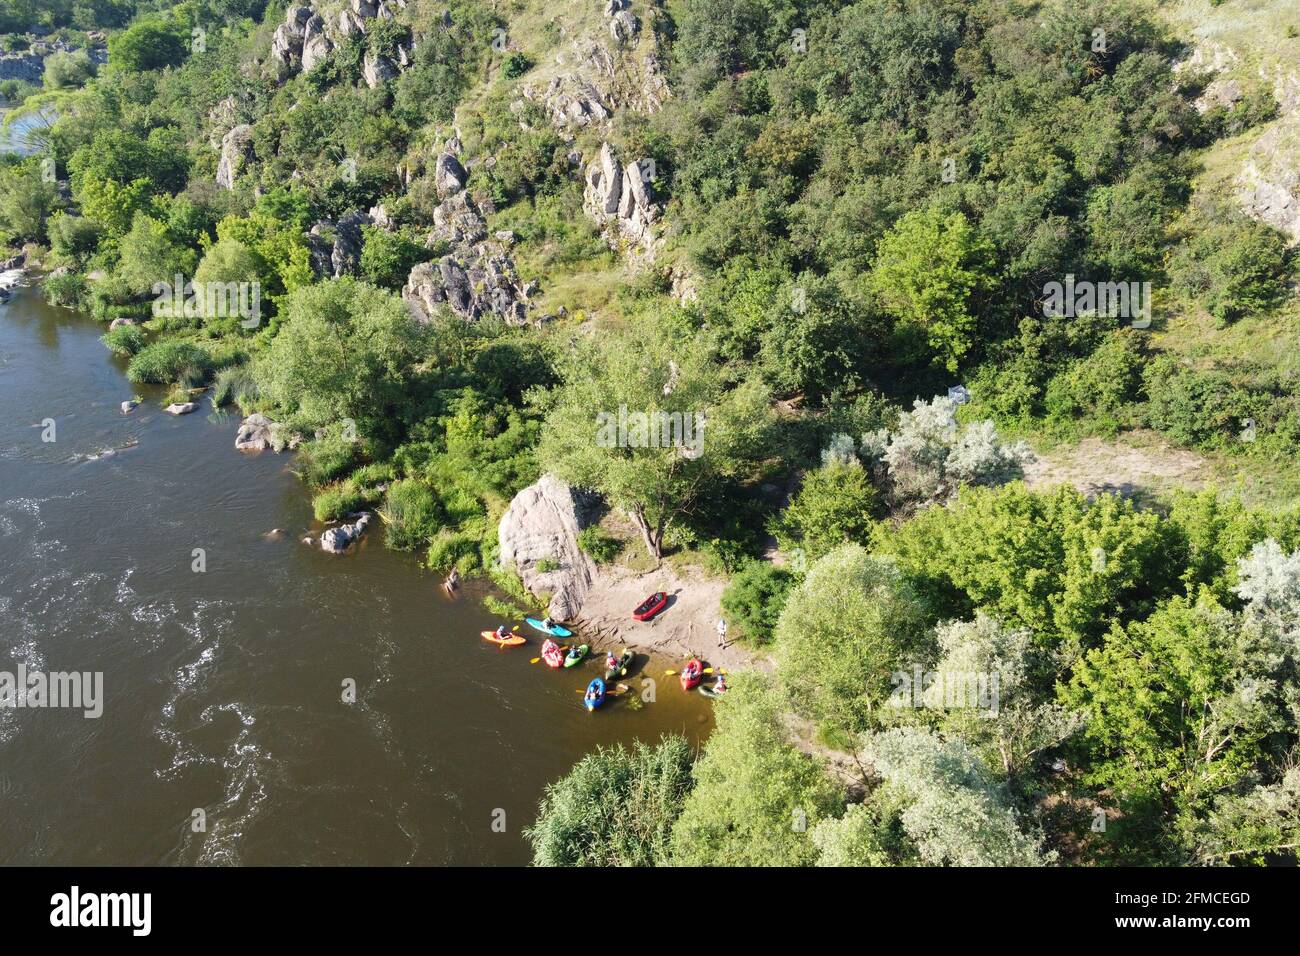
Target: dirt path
1096 466
685 629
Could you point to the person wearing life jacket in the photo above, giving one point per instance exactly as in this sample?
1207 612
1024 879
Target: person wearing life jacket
593 693
501 631
611 661
720 685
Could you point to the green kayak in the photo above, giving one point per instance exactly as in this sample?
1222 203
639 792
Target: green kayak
619 669
576 654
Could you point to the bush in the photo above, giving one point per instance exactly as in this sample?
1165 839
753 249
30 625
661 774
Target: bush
754 598
235 384
165 362
453 549
1234 268
515 66
337 501
68 290
616 807
388 257
1104 385
411 512
599 545
833 506
1195 406
124 340
328 456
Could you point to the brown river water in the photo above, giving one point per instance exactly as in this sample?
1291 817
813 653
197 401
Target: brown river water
223 689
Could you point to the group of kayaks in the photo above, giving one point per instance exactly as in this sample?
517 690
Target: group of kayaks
556 656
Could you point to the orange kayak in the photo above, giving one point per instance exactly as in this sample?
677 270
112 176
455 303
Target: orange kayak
510 640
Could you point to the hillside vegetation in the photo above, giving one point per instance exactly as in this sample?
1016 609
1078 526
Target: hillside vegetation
848 237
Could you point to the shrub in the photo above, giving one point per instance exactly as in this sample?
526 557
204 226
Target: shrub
68 290
337 500
599 545
235 384
411 512
453 549
754 599
928 454
124 340
834 505
165 362
1104 385
328 456
617 807
515 66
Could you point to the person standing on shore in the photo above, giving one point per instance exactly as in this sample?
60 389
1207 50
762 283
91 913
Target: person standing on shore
722 632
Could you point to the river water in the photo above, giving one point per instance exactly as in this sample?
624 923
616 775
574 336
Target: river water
223 689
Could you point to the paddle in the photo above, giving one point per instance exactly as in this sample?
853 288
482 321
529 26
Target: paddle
534 660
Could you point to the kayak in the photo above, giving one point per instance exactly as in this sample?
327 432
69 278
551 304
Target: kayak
619 669
554 630
552 654
692 674
576 654
591 703
651 606
510 640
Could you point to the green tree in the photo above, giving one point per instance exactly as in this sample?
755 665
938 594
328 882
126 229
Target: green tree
149 255
955 812
344 350
852 623
833 506
756 796
148 45
616 807
932 270
753 600
26 200
645 417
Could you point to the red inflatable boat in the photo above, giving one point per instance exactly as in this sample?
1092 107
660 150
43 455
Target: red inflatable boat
651 606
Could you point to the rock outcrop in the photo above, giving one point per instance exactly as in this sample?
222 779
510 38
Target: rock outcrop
337 540
257 433
236 147
377 70
1269 182
621 198
181 408
542 524
489 285
336 246
288 39
448 175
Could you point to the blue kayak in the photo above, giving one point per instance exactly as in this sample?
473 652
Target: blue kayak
591 703
554 630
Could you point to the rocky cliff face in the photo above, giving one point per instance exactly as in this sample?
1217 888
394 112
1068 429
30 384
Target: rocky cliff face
620 197
307 37
542 523
1235 56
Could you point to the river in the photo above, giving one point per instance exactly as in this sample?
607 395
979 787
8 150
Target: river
223 689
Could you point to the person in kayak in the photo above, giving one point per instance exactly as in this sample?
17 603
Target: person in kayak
611 661
592 694
548 623
720 685
501 631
